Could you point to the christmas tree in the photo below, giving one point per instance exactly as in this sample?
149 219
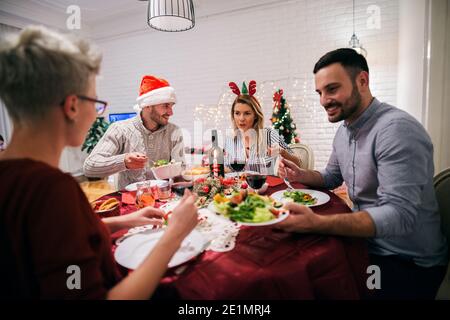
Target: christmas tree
282 120
95 133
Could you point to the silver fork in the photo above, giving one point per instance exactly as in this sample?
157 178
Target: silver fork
286 181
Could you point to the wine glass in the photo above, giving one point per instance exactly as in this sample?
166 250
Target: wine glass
179 187
256 178
237 163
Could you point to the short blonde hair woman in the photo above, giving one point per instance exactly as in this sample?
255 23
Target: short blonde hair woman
251 140
47 81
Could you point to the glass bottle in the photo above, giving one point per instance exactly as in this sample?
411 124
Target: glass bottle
216 163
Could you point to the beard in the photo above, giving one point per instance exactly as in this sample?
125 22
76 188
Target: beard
161 120
346 109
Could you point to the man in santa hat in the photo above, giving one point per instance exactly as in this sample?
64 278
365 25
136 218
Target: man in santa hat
130 146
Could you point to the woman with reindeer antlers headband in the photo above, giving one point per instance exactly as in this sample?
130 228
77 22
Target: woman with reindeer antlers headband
250 140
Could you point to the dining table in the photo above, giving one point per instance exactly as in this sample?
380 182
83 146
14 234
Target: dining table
268 263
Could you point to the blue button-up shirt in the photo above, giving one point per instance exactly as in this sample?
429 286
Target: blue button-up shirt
386 159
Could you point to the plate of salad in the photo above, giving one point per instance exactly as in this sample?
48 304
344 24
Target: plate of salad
249 209
307 197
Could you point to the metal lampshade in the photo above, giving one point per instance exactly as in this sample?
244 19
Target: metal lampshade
171 15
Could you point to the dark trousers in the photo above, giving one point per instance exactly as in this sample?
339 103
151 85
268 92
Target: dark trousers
403 279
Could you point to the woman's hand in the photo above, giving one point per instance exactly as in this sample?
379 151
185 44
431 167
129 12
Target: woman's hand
144 216
183 218
142 282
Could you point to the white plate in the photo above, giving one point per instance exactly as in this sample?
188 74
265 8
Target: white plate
169 206
132 251
233 174
321 197
280 217
133 186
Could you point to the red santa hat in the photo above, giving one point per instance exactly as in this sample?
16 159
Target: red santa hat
154 91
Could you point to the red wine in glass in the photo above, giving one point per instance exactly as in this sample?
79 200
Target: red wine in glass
179 187
237 166
256 181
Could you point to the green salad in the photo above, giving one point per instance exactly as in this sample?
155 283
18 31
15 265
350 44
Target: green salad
247 207
300 197
160 163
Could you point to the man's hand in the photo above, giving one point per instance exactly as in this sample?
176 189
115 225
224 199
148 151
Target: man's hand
135 160
286 155
288 169
301 219
277 151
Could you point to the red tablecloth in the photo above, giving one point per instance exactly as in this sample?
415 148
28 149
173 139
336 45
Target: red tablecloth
271 264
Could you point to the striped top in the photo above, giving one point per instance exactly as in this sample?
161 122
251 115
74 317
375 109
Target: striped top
234 149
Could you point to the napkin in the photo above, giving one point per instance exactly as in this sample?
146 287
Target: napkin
274 181
129 197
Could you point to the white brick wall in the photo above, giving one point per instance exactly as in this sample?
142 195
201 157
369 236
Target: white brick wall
273 44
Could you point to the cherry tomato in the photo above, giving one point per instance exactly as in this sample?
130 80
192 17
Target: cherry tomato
275 212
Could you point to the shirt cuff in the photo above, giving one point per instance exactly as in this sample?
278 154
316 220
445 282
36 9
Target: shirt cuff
386 224
328 179
121 162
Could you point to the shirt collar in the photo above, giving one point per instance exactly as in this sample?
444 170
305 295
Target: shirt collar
139 124
366 115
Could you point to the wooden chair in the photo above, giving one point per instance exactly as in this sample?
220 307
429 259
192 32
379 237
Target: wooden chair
305 153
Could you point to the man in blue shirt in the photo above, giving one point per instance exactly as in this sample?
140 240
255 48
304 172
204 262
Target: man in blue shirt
385 157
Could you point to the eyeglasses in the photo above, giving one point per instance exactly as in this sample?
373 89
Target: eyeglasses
100 105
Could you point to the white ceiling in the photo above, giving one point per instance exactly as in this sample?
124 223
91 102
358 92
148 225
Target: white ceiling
98 9
104 18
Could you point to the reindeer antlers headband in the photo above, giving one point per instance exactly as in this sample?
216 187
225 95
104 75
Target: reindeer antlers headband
250 91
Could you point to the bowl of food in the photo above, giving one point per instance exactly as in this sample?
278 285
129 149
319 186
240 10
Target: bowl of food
106 208
195 173
163 169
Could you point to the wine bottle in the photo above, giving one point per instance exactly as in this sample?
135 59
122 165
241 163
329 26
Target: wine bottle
216 163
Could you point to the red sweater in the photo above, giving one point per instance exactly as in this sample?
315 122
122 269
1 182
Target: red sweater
47 225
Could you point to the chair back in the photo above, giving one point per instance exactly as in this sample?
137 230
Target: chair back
442 187
305 153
